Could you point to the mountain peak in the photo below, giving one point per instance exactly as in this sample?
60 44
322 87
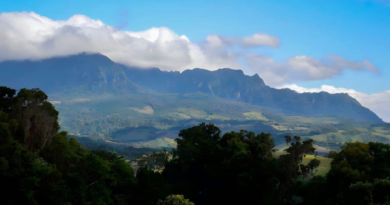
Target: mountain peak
84 72
230 70
259 80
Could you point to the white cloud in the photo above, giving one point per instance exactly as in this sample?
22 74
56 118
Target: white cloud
27 35
377 102
31 36
302 68
257 40
260 40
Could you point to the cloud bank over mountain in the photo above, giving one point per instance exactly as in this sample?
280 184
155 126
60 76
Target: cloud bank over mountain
28 35
377 102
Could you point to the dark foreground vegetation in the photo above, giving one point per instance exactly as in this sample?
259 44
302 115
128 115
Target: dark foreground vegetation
39 165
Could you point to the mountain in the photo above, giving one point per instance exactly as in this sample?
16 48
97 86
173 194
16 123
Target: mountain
101 99
82 74
76 74
235 85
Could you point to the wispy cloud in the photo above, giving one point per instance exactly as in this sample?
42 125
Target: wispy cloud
303 68
257 40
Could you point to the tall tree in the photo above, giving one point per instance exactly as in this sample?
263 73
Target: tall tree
290 166
37 118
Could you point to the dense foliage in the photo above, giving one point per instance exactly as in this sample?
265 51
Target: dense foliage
175 200
359 175
39 165
238 167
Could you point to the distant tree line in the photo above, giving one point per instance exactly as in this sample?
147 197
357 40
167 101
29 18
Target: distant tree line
40 165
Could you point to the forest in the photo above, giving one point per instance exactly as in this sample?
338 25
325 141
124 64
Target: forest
39 164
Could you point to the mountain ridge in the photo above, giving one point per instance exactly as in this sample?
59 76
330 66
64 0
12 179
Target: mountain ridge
87 73
235 85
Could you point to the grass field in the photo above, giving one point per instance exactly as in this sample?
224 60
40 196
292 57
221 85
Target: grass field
324 167
322 170
255 116
145 110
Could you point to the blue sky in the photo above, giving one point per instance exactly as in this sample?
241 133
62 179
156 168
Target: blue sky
306 33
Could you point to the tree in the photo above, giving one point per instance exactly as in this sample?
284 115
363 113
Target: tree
197 143
151 187
22 173
156 161
175 200
290 166
37 118
238 167
296 152
315 191
40 166
121 180
6 98
332 154
356 169
376 192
